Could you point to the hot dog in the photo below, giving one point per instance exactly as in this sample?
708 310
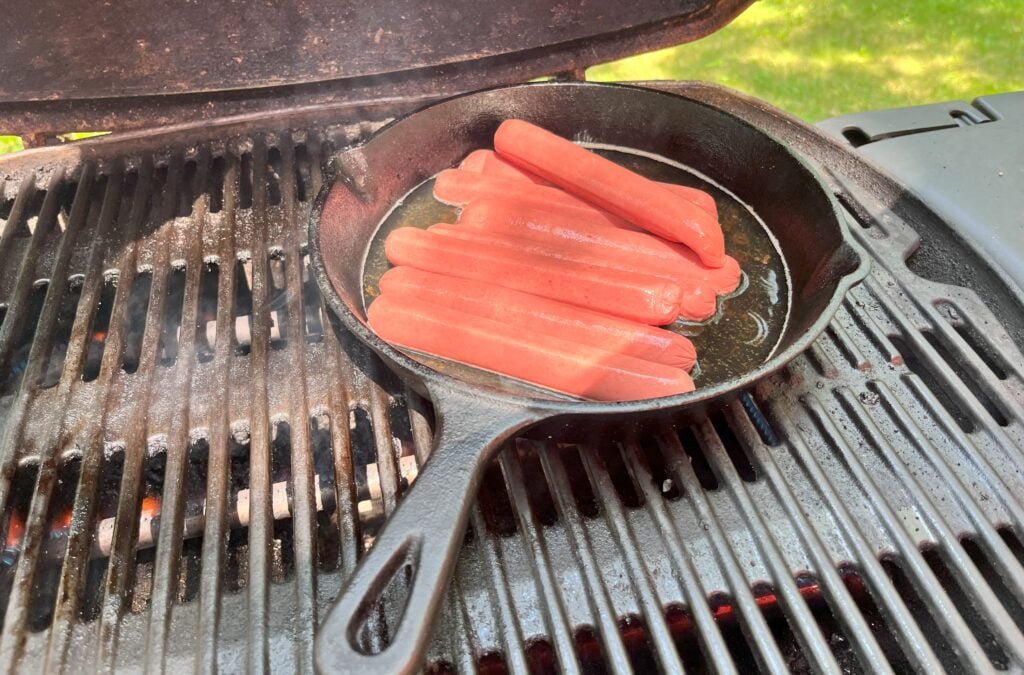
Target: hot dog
697 300
604 183
489 163
508 216
533 314
638 297
558 364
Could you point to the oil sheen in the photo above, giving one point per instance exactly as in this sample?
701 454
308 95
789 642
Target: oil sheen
743 333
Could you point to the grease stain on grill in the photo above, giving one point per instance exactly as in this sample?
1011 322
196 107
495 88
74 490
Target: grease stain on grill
741 336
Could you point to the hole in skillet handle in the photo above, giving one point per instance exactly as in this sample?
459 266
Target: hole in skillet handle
405 575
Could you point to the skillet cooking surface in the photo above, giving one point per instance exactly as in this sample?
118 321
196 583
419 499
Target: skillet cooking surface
741 336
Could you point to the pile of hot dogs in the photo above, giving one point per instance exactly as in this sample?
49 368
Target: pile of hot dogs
558 271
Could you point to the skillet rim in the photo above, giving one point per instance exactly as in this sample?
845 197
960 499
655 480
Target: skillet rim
439 384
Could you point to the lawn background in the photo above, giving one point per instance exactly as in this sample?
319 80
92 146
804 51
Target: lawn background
818 59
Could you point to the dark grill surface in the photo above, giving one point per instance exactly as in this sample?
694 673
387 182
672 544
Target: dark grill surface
194 459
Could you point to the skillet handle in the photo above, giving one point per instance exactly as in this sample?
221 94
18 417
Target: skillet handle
425 532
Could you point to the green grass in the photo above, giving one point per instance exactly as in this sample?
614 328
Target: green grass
818 59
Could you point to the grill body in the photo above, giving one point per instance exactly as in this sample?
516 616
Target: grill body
194 458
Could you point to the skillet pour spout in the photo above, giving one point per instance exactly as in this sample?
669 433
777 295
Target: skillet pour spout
476 414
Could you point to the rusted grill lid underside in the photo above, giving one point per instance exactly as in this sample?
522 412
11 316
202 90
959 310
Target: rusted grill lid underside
86 64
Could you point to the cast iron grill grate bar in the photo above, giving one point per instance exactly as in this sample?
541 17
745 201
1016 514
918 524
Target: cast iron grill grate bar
857 513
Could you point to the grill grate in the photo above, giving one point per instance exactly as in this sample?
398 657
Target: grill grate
186 484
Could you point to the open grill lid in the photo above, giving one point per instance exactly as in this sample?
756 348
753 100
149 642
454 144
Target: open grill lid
134 64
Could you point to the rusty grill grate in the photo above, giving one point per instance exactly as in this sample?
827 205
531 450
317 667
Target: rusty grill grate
193 459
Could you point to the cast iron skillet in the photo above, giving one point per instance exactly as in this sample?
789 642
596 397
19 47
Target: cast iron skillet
427 528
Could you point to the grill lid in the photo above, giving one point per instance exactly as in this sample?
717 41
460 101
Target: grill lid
209 53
